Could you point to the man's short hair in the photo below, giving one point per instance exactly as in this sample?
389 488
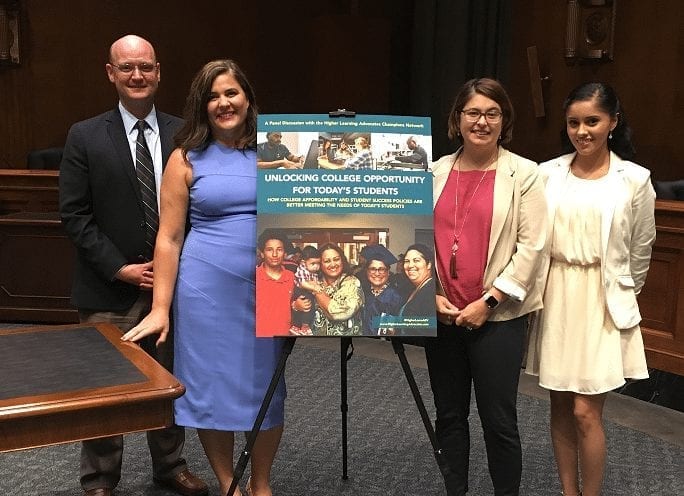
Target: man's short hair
269 234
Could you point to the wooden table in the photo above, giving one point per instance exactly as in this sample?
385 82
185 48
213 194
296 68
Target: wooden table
62 384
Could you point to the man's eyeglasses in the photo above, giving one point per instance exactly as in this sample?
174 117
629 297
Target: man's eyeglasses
493 116
128 68
378 270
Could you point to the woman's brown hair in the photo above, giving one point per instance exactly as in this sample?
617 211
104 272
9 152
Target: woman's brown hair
490 88
196 133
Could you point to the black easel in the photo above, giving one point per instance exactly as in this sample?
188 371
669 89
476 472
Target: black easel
398 346
346 352
342 113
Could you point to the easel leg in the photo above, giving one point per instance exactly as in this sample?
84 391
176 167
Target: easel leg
439 456
346 352
251 438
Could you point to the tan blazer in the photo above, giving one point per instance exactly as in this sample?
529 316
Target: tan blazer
627 230
518 233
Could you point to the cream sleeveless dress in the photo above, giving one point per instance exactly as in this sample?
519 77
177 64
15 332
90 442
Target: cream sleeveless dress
578 347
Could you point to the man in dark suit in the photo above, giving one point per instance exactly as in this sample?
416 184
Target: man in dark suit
110 214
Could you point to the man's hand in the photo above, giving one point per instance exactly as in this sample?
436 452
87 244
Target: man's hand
140 275
288 164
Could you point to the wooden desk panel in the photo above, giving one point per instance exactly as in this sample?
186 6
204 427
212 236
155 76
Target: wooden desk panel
36 257
62 416
36 267
23 190
662 299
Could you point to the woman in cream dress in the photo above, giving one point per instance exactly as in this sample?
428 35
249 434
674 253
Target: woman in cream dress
587 339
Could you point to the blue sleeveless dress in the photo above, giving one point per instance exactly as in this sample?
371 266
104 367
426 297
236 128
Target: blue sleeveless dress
224 367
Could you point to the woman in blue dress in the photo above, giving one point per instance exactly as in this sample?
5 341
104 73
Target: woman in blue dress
209 276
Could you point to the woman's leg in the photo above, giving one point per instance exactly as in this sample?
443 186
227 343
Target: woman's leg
564 438
591 441
218 446
496 353
263 454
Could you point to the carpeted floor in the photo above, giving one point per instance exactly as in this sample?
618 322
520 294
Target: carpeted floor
389 453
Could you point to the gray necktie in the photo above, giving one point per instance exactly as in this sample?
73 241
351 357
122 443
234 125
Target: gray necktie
144 169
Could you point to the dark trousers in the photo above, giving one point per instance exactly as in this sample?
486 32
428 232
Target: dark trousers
489 358
101 458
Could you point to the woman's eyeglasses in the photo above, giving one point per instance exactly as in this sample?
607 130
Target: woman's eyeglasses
378 270
493 116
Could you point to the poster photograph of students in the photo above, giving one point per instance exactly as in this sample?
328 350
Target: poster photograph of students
370 279
344 228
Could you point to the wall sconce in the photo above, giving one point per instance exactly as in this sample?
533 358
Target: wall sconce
590 30
9 32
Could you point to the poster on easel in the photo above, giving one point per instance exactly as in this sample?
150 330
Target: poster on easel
344 226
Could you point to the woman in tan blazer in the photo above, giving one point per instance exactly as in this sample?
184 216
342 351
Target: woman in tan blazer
489 237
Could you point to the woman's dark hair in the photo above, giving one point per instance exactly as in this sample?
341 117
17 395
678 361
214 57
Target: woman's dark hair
607 100
490 88
346 268
196 133
424 250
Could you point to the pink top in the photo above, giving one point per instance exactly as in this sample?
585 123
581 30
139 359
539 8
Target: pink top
476 204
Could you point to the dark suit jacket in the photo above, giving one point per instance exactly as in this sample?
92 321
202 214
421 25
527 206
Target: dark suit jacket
101 209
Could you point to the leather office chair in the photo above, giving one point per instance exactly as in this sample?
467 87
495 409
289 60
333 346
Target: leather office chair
669 190
47 158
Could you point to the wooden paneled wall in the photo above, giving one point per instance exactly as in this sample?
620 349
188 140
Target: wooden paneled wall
299 56
317 56
646 72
